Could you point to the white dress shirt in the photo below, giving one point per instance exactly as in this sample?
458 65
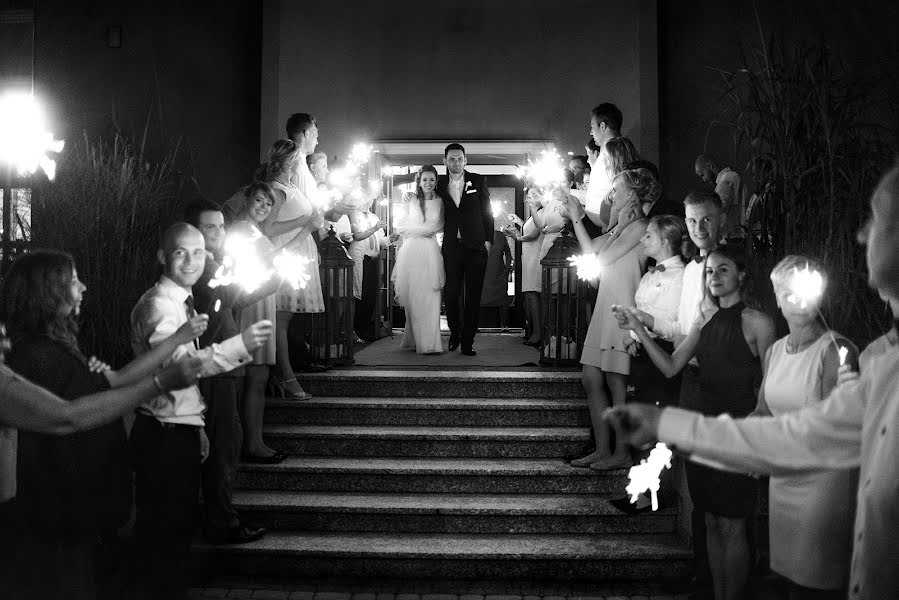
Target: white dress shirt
854 427
157 315
455 188
688 306
599 186
659 292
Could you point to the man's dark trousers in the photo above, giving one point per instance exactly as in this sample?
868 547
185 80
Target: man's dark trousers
225 435
465 269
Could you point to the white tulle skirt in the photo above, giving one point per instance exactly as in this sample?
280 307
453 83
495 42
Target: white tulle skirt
418 279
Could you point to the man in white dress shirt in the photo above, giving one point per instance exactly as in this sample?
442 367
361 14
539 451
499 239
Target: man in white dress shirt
855 427
605 124
167 441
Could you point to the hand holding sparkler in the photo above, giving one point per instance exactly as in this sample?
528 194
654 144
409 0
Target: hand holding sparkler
639 423
257 334
194 328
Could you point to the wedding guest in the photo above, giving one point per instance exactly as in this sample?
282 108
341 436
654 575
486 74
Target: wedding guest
549 215
658 294
605 360
662 205
73 491
365 249
302 129
579 167
809 514
531 276
727 185
418 273
617 154
605 123
854 427
495 293
258 203
728 339
704 219
222 392
290 225
168 443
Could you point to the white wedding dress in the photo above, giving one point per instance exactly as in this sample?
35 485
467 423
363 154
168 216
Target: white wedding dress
418 275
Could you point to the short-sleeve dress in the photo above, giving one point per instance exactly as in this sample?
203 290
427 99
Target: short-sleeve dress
604 346
265 308
729 375
811 514
306 299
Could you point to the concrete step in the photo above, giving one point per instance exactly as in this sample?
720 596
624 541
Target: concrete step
446 412
387 383
390 440
469 556
446 513
436 475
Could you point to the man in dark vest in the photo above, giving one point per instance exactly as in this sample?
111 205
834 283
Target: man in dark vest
467 236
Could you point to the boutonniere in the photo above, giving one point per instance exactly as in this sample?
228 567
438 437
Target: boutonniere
467 186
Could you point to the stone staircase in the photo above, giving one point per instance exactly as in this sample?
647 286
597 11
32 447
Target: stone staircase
441 475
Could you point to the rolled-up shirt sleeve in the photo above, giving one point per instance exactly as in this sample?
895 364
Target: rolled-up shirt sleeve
822 436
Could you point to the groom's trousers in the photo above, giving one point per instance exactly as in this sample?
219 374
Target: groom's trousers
464 270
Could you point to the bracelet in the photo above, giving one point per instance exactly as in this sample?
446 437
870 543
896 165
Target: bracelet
158 384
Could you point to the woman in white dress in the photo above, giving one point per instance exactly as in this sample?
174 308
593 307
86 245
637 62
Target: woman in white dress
418 275
810 514
290 225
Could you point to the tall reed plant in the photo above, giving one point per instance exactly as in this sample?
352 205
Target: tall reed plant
813 157
107 207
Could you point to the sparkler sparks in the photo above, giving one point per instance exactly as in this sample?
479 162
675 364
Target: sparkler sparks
292 268
843 352
806 287
545 172
645 476
24 139
242 266
588 266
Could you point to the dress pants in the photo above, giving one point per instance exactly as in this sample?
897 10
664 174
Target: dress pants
365 306
225 433
464 267
167 485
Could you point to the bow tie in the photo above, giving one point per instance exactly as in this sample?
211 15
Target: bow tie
698 258
659 268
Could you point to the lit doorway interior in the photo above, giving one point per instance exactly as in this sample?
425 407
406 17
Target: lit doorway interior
397 162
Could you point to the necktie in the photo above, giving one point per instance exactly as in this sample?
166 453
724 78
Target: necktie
659 268
191 313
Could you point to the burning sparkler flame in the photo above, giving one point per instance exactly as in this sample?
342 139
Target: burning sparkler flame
292 269
242 266
588 266
24 139
806 287
545 172
645 476
843 352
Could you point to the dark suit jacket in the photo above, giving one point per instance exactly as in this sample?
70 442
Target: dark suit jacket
474 216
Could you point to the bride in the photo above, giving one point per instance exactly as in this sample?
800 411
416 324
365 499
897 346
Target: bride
418 274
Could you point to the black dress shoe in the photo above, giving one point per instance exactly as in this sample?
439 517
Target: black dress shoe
469 352
236 535
624 505
583 453
271 459
453 343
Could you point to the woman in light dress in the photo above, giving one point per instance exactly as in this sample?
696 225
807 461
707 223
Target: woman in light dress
810 514
531 274
418 275
290 225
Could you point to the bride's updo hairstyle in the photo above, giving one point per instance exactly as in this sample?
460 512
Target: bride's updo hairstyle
280 156
418 191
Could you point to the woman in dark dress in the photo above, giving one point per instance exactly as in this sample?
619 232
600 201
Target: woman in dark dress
74 491
729 339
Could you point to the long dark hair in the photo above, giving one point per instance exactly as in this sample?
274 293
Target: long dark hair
418 191
37 285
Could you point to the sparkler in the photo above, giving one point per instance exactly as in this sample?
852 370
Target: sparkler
241 265
843 352
645 476
588 266
24 139
806 287
544 173
292 269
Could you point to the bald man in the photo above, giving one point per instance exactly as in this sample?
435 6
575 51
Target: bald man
167 441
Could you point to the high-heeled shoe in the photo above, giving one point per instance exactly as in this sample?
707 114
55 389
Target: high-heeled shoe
278 388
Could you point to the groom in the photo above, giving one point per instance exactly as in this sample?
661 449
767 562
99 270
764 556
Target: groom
467 235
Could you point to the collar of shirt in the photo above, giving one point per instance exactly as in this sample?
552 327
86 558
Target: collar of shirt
673 263
172 290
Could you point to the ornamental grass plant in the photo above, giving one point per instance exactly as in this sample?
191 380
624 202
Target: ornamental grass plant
814 153
107 206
